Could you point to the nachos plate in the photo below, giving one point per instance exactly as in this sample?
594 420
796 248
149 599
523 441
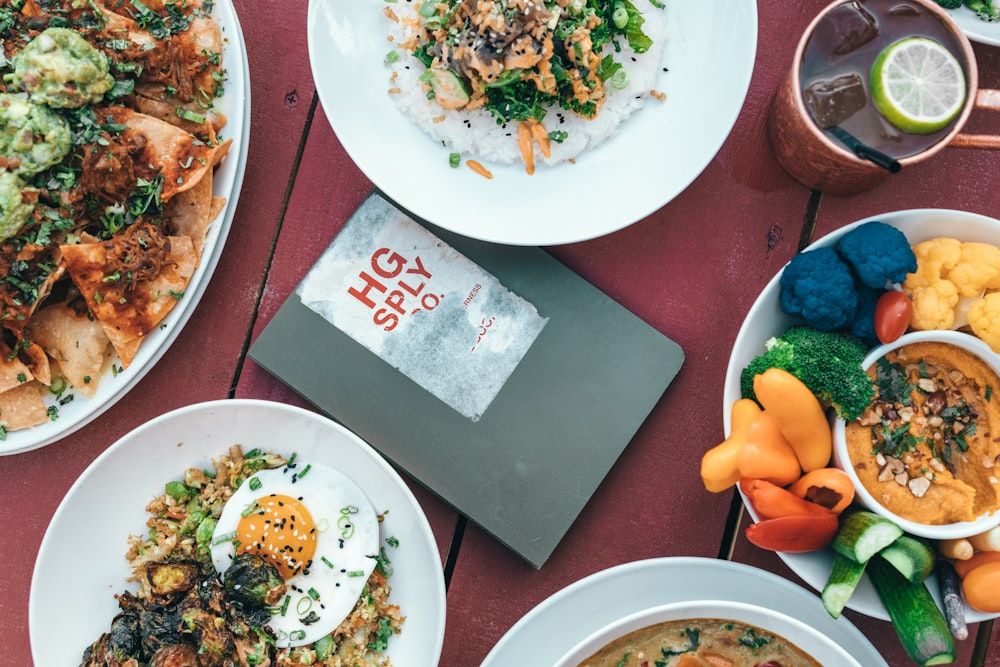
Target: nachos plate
116 300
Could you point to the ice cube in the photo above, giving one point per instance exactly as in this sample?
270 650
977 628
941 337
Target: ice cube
832 101
851 27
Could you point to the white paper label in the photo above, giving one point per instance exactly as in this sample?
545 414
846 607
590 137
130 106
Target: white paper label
422 307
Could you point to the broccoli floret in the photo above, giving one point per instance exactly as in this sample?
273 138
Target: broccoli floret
819 287
951 4
891 263
829 363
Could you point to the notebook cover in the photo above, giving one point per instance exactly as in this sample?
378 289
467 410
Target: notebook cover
492 374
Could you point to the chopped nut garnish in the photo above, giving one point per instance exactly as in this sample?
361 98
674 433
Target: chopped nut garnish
919 485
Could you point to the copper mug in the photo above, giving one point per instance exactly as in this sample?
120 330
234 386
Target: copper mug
816 160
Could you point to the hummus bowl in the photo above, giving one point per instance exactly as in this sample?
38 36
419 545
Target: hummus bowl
924 455
774 628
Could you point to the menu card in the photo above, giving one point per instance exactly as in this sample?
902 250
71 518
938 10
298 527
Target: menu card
492 374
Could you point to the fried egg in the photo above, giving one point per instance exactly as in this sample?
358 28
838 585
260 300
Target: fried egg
317 527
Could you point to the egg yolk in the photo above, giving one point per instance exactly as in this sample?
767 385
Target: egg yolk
280 529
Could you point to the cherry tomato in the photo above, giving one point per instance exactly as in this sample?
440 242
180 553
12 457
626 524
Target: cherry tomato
893 311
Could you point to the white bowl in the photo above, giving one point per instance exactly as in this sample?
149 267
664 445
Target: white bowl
819 646
842 458
765 320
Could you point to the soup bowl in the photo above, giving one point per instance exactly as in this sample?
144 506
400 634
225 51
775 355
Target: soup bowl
818 646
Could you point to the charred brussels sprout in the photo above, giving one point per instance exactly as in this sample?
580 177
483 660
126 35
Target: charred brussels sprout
170 579
177 655
252 581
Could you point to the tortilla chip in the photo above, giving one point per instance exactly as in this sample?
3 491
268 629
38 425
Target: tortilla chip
128 311
77 343
38 363
190 212
181 158
13 371
22 407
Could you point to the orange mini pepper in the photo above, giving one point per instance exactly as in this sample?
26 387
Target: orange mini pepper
829 487
798 413
766 454
720 468
771 501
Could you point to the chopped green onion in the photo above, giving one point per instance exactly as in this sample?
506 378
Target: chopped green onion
225 537
427 8
356 573
303 605
619 79
391 57
187 114
302 473
326 561
255 483
454 160
619 16
313 593
249 509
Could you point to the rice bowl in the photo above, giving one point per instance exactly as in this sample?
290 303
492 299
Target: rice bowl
478 133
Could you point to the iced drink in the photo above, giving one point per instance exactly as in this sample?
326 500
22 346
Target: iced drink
837 61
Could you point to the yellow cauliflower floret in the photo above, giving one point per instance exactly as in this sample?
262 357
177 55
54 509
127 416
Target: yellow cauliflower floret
934 306
978 270
935 258
951 277
984 320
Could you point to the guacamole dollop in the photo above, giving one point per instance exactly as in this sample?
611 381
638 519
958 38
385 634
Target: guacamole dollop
32 137
15 208
61 69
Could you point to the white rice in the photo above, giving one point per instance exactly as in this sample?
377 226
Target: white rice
476 133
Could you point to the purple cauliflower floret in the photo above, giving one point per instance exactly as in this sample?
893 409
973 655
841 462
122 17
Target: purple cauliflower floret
818 286
879 254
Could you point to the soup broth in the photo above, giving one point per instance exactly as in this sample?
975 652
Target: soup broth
698 642
837 61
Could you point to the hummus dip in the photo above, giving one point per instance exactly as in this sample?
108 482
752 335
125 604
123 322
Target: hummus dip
928 447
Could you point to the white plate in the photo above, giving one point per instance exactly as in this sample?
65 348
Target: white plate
765 319
228 179
81 563
985 32
554 626
655 156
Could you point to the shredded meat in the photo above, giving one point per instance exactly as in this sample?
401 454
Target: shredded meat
139 252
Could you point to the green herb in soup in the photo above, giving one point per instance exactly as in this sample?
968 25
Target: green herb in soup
699 643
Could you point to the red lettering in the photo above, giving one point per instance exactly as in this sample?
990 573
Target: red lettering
419 270
415 291
395 301
362 294
390 320
392 267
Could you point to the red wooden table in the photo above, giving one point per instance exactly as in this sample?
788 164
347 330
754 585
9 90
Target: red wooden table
691 270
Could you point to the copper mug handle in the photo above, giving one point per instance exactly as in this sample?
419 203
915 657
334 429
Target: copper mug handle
985 99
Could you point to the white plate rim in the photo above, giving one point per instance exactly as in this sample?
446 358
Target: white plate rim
116 383
418 549
984 32
530 215
553 626
812 567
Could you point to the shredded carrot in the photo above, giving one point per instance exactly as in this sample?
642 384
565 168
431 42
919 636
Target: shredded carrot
394 91
391 15
658 95
524 143
479 169
541 135
438 119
